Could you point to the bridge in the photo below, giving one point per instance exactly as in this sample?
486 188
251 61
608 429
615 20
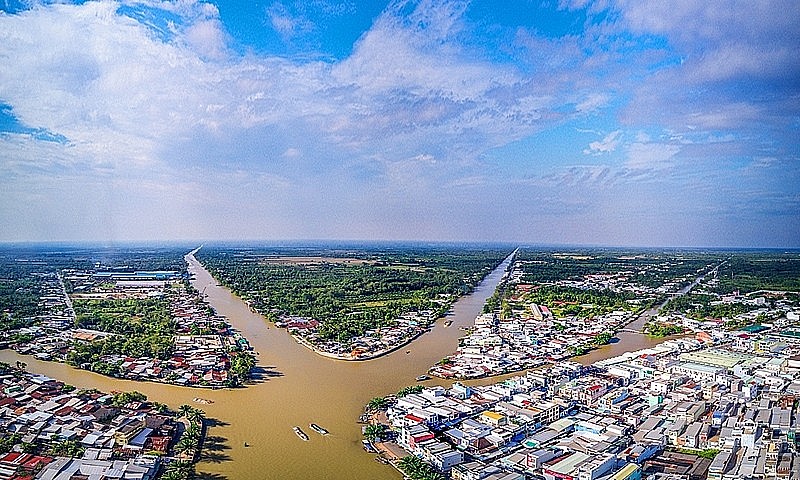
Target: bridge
629 330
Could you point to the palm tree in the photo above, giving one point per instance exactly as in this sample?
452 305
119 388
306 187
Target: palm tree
196 415
184 410
374 431
187 444
377 403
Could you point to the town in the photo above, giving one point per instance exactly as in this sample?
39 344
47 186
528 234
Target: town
522 332
54 431
719 400
138 325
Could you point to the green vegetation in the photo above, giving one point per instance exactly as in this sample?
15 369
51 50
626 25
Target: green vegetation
708 453
374 431
123 398
577 351
411 389
65 448
178 470
189 445
8 442
353 290
699 307
645 268
658 329
19 299
496 300
241 365
603 338
749 272
563 300
141 328
377 403
417 469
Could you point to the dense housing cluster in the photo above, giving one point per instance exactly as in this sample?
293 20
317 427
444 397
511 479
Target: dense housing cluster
49 430
720 402
526 325
683 410
135 324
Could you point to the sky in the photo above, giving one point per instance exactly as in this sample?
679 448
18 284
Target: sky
617 122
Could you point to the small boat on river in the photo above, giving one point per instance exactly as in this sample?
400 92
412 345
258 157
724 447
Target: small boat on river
300 433
422 378
204 401
318 429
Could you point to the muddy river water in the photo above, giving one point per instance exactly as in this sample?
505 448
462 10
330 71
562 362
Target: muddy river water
296 387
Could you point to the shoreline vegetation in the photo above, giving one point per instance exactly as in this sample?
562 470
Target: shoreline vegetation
366 304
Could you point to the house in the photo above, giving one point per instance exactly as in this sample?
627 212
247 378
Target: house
493 418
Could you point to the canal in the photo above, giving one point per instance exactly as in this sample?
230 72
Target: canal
294 386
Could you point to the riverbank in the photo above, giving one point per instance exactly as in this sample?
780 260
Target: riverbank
291 386
62 429
359 358
408 328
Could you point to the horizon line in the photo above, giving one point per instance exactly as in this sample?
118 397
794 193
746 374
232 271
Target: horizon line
321 241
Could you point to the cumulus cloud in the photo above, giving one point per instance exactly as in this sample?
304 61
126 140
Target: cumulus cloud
608 144
156 93
722 52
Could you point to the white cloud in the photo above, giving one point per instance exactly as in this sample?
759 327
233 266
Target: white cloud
650 156
285 22
593 102
207 38
608 144
735 57
304 141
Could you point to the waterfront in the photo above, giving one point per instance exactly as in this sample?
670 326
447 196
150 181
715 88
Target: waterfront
625 341
294 387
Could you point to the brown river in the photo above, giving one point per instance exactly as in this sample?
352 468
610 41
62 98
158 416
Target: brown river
296 387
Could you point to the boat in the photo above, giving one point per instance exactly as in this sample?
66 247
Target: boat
422 378
318 429
202 400
300 433
246 444
448 322
368 446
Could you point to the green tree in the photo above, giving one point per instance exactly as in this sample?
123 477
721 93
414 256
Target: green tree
374 431
377 403
417 469
184 410
123 398
410 389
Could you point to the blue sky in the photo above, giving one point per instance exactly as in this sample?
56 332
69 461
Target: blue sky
613 122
